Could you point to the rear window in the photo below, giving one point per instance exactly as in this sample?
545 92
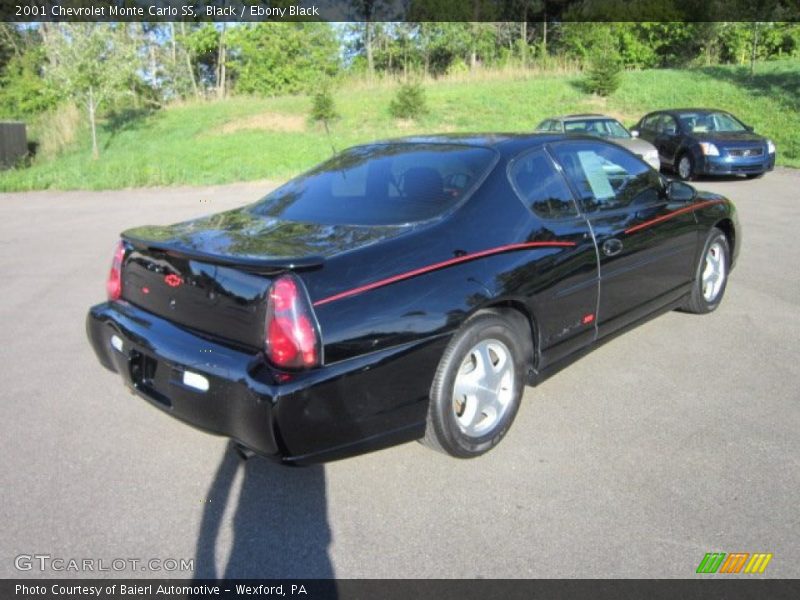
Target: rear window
608 128
381 184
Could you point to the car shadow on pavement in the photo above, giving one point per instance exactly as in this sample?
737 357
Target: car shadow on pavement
279 525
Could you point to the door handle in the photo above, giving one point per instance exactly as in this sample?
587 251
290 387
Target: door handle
612 247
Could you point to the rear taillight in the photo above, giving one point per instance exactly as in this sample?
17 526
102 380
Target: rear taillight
292 335
114 283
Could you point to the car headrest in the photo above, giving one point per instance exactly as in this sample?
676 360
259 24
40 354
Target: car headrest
423 183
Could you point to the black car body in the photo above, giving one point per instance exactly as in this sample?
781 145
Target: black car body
312 324
701 141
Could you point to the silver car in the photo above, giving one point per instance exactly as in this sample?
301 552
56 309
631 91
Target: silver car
605 127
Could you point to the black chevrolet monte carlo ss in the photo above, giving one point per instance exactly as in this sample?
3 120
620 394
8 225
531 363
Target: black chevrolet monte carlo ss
405 290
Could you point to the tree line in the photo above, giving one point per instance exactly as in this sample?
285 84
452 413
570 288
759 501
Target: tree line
107 67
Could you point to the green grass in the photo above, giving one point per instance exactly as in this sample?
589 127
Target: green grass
186 144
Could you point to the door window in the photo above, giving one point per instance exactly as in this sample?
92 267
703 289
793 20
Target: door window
667 125
607 177
650 122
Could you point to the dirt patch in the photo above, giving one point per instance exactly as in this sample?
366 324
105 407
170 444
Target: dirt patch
268 121
406 124
410 126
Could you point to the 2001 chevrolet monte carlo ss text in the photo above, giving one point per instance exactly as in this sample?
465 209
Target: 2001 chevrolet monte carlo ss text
405 290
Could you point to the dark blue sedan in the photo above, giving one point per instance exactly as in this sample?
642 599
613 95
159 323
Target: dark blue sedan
701 141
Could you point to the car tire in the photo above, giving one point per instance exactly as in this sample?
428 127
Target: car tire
465 419
711 275
685 167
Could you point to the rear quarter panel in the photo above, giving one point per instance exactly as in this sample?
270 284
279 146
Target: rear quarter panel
437 303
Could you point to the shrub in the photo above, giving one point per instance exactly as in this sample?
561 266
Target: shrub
605 69
323 108
409 102
458 67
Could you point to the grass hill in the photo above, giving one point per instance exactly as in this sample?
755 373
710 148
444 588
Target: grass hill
247 138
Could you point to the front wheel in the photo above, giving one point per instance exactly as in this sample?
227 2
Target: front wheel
711 275
477 388
686 167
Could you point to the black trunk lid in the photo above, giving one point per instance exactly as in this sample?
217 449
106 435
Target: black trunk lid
213 274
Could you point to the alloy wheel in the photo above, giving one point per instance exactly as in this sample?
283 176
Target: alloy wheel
484 387
714 272
685 167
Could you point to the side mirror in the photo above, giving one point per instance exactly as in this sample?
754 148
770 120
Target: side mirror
635 132
749 128
678 191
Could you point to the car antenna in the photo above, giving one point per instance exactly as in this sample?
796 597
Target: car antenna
330 139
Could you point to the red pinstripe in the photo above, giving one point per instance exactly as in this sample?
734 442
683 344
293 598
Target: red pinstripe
440 265
674 213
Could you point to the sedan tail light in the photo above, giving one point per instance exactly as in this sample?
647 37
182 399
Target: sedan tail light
292 335
114 282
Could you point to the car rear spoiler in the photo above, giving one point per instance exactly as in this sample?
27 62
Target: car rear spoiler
245 262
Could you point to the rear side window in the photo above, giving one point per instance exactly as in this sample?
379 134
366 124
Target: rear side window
541 187
650 122
381 184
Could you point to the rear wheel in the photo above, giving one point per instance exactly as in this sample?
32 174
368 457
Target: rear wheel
686 167
711 276
477 388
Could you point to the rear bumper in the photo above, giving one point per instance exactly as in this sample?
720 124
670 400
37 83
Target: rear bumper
339 410
728 165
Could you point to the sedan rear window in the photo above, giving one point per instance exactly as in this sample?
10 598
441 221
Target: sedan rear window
381 184
608 128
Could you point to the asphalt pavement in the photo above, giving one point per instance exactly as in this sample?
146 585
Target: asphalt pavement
674 440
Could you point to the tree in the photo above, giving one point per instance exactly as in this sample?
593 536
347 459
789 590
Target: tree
409 102
23 91
323 107
367 11
280 58
605 66
92 63
201 43
10 43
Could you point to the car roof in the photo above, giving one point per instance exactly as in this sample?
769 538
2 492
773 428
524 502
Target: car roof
677 111
578 116
506 143
581 117
466 139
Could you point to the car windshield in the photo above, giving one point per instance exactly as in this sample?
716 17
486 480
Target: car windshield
607 128
381 184
714 121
